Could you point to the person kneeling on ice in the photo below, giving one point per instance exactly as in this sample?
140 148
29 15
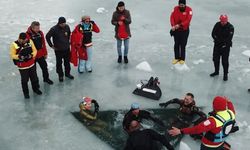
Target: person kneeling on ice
87 112
217 127
145 139
136 114
187 112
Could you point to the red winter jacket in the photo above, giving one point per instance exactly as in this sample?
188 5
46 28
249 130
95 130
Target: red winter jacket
182 18
43 50
205 126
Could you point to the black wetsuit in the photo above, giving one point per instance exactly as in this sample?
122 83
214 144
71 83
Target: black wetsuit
146 140
129 117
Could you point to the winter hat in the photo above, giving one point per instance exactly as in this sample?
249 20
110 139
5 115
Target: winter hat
135 106
22 36
87 100
85 17
223 18
61 20
120 4
219 103
182 2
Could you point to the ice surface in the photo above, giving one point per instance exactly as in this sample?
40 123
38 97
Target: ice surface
184 146
45 122
246 53
144 66
181 67
101 10
196 62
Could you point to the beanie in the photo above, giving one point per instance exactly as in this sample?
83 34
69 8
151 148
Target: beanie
135 106
219 103
61 20
22 36
223 18
120 4
182 2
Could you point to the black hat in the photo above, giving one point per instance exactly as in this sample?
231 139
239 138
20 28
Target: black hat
120 4
182 2
22 36
61 20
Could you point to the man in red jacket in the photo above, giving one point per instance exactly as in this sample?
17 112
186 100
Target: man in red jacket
217 127
180 21
37 37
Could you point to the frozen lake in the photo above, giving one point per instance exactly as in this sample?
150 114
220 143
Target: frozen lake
45 123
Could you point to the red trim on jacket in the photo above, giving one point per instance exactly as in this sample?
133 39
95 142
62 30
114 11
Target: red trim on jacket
40 52
207 125
182 18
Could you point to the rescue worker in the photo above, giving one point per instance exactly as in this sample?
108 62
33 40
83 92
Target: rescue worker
81 44
23 53
180 21
60 33
217 127
37 37
121 19
86 112
136 114
222 34
187 111
140 139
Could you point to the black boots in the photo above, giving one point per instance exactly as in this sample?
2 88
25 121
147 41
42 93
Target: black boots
248 90
69 76
214 74
125 59
50 82
38 92
119 59
225 77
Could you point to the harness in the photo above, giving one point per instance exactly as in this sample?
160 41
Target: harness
37 39
86 29
22 50
226 127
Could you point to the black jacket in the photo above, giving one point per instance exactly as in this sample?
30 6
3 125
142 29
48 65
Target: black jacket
223 35
143 114
60 37
146 140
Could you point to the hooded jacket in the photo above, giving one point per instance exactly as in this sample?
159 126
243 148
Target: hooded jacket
181 18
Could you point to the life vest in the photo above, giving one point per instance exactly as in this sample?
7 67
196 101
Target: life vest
86 30
23 50
224 120
37 40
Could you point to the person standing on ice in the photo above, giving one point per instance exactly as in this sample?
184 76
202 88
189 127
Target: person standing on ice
81 44
37 37
145 139
121 19
222 34
60 33
180 21
23 52
217 127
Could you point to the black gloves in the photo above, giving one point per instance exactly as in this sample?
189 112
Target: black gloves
92 22
163 104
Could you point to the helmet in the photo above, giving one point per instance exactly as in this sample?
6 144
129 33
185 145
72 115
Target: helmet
219 103
135 106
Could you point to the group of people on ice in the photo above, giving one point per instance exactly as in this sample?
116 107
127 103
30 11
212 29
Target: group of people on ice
212 129
76 47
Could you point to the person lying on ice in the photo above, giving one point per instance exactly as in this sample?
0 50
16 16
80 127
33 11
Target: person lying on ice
145 139
86 112
136 114
217 127
188 111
